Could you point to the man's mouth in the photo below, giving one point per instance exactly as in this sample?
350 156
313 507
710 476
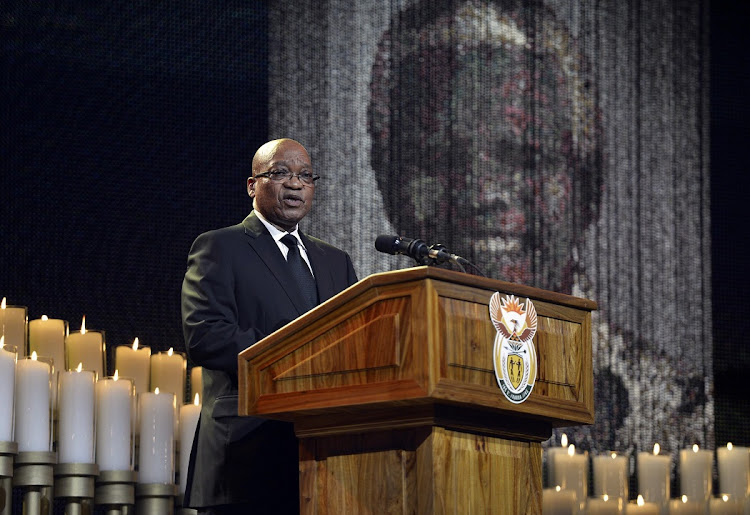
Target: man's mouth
293 201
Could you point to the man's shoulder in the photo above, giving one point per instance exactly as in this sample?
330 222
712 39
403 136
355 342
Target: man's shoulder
324 246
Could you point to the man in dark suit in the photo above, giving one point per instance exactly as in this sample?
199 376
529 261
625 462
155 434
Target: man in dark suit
239 288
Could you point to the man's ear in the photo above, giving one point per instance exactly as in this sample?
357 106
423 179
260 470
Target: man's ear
251 186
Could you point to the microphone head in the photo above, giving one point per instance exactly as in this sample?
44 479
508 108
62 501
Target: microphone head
387 243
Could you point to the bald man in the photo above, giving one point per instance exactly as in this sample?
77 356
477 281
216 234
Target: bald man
239 288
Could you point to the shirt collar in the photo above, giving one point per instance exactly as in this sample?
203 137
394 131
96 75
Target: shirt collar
277 233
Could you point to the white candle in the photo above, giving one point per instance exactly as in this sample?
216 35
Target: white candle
76 410
695 473
551 452
189 414
734 471
115 397
33 399
13 325
134 362
196 381
571 473
683 506
725 505
611 476
605 506
556 501
86 347
47 339
156 455
641 507
7 389
653 476
168 373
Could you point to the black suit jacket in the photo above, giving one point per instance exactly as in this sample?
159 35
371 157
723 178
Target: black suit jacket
236 291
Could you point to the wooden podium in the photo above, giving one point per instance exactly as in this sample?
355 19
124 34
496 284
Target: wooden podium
393 395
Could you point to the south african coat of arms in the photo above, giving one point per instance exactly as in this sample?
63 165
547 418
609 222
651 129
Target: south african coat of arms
514 355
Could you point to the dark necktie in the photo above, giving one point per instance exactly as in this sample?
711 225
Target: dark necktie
302 276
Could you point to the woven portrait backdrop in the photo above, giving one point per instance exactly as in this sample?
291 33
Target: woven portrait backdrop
558 144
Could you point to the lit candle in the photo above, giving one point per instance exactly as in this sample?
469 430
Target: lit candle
134 362
86 347
556 501
189 414
156 454
725 505
76 410
695 473
653 476
611 476
47 339
196 381
642 507
168 371
115 398
551 453
684 506
7 389
605 506
571 473
734 471
13 325
33 399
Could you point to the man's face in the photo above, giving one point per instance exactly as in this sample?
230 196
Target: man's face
285 203
506 187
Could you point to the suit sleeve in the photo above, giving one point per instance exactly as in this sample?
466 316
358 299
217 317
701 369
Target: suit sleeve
213 336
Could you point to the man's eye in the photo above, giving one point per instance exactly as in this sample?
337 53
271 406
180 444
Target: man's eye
306 176
278 174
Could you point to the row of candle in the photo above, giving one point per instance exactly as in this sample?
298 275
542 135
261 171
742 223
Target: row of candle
49 338
567 475
97 419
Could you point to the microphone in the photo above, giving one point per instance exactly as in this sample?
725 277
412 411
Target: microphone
417 249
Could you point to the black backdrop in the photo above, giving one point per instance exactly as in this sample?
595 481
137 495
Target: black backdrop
128 129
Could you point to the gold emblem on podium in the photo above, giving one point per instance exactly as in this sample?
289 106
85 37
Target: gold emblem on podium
514 356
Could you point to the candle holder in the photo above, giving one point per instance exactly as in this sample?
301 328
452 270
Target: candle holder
115 490
8 451
34 473
155 498
74 482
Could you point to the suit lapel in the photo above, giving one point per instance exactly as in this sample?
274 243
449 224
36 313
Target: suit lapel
322 271
265 247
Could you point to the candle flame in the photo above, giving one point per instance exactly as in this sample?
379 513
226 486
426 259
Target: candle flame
558 488
80 367
640 501
684 498
564 440
2 341
135 343
729 446
2 304
197 400
33 355
116 376
656 449
170 351
725 498
156 390
605 497
695 447
571 450
614 455
44 317
83 325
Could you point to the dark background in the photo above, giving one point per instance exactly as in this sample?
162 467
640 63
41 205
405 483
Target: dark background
126 130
